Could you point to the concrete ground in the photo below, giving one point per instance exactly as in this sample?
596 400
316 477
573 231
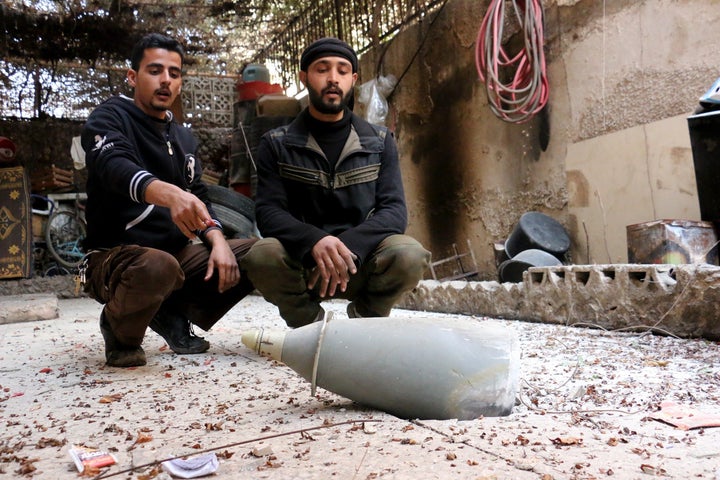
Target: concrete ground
583 410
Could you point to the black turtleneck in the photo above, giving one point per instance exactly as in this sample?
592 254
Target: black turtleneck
331 136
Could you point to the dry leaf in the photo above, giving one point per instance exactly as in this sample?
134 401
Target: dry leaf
143 438
49 442
153 473
657 363
90 472
567 441
111 398
647 468
225 455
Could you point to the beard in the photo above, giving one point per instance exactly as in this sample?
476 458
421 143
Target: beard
159 107
328 107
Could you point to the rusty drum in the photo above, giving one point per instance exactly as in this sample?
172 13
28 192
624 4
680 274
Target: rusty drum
672 242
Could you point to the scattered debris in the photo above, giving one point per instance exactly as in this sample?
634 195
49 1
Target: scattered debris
192 468
262 451
594 392
685 417
89 460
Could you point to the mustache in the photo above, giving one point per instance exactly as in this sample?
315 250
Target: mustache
332 89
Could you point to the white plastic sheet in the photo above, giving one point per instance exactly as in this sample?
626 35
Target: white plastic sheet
373 95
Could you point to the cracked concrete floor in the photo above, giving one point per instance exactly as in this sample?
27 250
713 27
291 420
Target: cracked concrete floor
583 411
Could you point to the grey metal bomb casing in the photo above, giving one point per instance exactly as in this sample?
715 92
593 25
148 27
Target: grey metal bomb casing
409 367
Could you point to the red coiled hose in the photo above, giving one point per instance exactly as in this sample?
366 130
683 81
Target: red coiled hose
516 86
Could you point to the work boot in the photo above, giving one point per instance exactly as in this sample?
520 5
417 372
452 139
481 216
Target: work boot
118 354
178 333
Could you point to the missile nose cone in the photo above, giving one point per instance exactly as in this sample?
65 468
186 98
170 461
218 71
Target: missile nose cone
264 342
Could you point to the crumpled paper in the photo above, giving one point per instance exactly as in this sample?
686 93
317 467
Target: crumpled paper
193 467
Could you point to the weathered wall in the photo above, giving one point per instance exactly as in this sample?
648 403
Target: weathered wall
633 74
621 75
468 175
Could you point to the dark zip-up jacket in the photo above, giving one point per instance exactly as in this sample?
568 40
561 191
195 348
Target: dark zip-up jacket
302 198
125 151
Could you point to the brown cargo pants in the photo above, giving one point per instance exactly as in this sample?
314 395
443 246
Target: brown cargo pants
133 282
394 268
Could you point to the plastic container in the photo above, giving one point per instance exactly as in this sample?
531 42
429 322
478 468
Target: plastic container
538 231
512 270
256 73
409 367
253 90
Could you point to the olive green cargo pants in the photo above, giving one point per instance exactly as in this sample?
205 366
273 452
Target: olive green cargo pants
392 269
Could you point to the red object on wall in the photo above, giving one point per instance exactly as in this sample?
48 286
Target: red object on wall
7 150
253 90
244 188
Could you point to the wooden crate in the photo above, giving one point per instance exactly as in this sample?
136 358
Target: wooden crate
52 178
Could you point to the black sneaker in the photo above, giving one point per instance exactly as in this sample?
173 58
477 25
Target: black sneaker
178 333
118 354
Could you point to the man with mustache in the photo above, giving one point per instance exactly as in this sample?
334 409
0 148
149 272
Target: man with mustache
157 254
330 203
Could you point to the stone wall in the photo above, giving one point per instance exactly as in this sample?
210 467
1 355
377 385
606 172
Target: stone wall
681 300
63 286
42 142
47 141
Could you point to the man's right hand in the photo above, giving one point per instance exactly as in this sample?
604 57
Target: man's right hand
335 263
188 212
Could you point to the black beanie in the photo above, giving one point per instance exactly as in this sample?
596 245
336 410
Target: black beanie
328 47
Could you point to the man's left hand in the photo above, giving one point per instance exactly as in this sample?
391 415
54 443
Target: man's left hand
222 259
335 264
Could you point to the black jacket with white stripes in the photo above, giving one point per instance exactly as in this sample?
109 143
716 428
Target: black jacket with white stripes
125 151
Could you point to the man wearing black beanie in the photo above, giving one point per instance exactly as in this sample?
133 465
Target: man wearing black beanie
330 203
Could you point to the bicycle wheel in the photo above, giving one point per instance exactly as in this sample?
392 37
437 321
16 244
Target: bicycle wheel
64 234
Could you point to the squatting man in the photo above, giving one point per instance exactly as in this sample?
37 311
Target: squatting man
146 203
330 203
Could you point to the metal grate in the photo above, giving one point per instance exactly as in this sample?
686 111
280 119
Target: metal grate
361 23
208 101
456 267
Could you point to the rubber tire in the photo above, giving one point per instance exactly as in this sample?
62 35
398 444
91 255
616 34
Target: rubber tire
235 225
235 211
